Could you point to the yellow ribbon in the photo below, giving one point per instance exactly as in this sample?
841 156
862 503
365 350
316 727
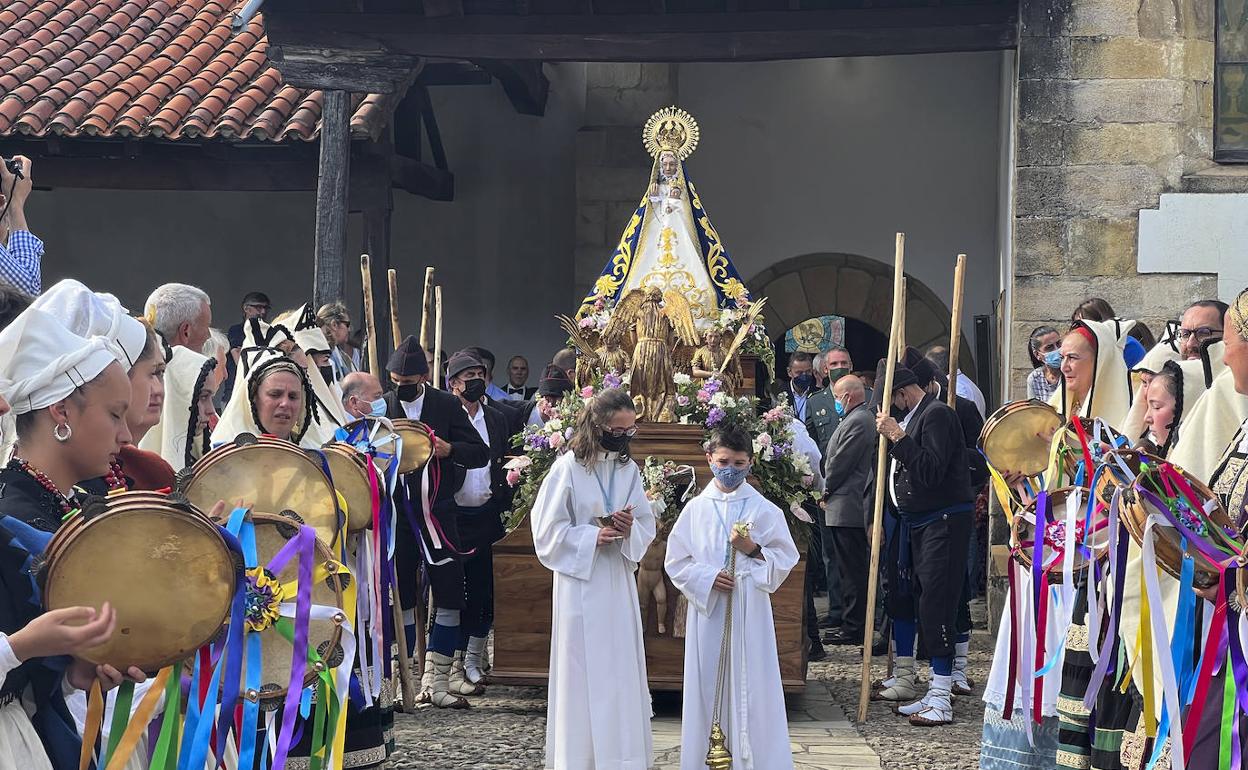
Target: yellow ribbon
91 730
138 722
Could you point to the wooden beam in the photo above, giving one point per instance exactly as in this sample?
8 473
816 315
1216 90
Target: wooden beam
420 179
453 73
435 8
653 37
331 197
523 81
377 247
334 67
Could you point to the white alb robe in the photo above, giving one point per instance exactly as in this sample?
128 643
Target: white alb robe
598 713
20 747
753 715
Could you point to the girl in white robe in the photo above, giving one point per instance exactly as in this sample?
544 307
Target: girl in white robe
752 714
591 526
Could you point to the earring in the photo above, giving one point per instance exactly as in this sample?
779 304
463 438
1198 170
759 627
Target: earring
56 432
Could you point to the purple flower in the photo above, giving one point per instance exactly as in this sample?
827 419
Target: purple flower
612 380
711 386
714 416
682 400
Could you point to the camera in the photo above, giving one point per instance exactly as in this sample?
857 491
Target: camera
14 167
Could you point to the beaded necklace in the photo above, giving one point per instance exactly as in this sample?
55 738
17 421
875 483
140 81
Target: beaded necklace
115 479
41 478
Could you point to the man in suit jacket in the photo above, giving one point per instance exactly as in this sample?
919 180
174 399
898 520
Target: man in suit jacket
480 503
848 472
457 448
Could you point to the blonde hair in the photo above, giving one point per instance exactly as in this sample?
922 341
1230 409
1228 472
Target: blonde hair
598 412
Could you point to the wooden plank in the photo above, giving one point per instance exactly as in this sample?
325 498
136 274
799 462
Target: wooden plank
662 37
524 83
331 197
435 8
334 67
421 179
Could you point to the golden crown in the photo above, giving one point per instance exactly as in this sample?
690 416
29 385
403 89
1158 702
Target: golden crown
671 129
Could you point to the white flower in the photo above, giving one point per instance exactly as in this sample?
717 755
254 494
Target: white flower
519 463
764 439
554 425
680 378
801 463
720 399
658 506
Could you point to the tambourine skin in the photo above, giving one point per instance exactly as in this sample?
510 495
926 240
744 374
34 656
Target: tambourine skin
1016 438
165 569
1136 509
268 475
417 442
350 478
272 533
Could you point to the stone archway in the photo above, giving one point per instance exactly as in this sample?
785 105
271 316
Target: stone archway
853 286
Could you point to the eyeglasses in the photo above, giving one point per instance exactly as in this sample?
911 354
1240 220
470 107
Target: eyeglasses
1201 334
618 432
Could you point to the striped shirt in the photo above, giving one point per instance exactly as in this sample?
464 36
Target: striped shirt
20 261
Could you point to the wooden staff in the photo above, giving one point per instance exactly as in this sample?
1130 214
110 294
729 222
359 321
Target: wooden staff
955 332
901 323
395 329
437 336
370 323
426 309
881 467
400 633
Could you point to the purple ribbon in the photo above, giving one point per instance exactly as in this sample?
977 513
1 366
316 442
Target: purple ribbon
303 544
1118 560
1209 551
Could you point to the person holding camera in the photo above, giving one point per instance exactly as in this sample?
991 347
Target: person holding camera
20 251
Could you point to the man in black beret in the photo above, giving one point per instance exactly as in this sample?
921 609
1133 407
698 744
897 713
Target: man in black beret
457 447
929 487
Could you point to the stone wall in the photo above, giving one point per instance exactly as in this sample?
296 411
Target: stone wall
1115 106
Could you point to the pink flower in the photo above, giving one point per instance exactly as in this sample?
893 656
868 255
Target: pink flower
703 396
587 322
556 440
808 480
513 477
587 391
682 400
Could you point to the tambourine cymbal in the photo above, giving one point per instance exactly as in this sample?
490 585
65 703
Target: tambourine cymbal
1220 530
269 475
1024 533
1016 438
350 478
164 568
325 636
416 436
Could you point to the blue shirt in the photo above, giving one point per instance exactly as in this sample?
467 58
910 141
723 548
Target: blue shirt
20 262
799 406
495 393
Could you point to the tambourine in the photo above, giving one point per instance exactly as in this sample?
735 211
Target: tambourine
273 531
350 477
1089 541
1187 513
163 566
417 441
1016 438
268 474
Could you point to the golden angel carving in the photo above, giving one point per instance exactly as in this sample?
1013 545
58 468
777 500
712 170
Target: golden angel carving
656 325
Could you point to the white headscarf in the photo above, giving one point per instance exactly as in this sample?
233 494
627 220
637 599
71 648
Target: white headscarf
1110 396
174 437
94 314
239 415
42 362
306 331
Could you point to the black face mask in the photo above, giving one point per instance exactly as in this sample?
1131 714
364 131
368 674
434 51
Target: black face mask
615 443
803 382
327 373
409 392
473 390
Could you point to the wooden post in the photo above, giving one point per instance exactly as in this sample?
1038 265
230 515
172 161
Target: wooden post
426 309
437 336
955 332
331 197
377 247
395 328
881 468
370 321
901 322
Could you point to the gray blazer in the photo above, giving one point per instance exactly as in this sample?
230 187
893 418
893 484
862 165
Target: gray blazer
849 468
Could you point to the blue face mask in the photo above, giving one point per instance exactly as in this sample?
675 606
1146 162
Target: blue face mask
1053 359
377 408
730 477
840 408
803 382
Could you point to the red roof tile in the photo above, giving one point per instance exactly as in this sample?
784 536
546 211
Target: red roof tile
160 68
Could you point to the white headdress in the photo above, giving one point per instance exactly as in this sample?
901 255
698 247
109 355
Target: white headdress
42 362
94 314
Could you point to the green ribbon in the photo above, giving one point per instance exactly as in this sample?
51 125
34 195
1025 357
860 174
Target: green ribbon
164 757
1228 715
121 717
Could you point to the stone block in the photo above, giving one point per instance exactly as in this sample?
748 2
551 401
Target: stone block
852 287
624 149
623 106
1044 299
1125 143
591 146
1159 18
1119 57
609 184
1126 101
879 309
618 214
787 296
1044 57
1102 246
1039 192
1039 245
1042 144
1111 191
1045 18
821 277
1192 60
1044 100
591 224
659 77
612 75
1104 17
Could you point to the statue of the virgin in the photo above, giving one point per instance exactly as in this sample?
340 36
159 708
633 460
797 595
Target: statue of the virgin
669 242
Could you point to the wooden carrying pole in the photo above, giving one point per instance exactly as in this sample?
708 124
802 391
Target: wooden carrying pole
396 338
400 635
426 309
955 330
437 336
881 467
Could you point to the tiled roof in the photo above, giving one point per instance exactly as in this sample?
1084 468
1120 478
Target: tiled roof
169 69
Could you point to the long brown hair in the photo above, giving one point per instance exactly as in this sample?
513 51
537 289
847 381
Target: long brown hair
588 432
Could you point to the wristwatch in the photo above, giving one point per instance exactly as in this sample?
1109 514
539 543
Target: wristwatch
758 551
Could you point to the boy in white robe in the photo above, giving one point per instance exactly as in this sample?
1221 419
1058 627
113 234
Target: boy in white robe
752 714
591 526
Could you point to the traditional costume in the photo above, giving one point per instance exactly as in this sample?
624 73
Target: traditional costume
598 712
180 437
306 332
241 414
752 713
41 363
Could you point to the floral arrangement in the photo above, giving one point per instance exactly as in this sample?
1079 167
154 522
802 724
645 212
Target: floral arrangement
668 487
757 344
